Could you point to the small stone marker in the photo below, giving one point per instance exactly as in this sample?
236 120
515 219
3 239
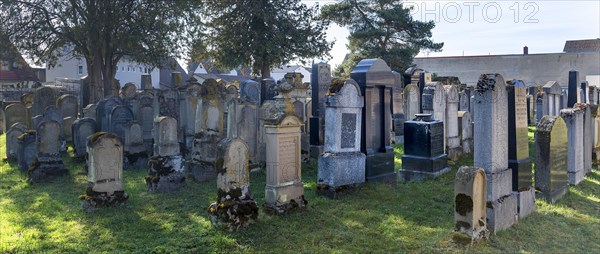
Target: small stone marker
470 204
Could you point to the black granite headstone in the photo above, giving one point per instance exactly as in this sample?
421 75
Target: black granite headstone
518 139
551 158
573 88
423 148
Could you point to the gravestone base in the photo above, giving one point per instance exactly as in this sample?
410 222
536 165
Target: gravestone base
552 197
340 172
202 171
454 153
165 174
46 167
405 175
136 160
274 205
575 177
499 184
380 167
315 151
526 202
502 213
234 209
93 200
521 173
424 164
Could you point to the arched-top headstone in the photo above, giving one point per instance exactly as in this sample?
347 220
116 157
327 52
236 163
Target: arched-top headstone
165 136
82 128
103 111
551 157
119 117
68 105
470 203
129 90
27 99
16 130
411 101
14 113
250 89
42 98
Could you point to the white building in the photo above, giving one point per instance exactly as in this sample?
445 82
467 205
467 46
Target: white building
279 73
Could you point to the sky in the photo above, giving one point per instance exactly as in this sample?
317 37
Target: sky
493 27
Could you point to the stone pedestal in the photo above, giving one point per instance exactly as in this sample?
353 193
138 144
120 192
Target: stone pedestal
424 155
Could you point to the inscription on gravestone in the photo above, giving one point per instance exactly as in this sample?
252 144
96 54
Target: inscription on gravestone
348 130
288 156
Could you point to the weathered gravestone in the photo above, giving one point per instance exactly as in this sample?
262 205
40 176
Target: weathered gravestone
398 116
530 110
320 80
67 124
375 79
470 204
551 156
595 134
541 107
146 81
134 150
284 190
452 136
518 148
14 113
27 99
574 119
243 123
412 102
42 98
49 161
424 155
491 150
587 137
300 97
341 166
103 111
2 120
68 106
465 127
106 186
147 118
553 97
190 97
118 118
250 89
573 89
12 135
165 172
27 150
82 129
211 131
584 92
235 206
465 100
129 90
90 111
427 98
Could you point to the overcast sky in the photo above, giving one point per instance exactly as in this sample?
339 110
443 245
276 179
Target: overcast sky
495 27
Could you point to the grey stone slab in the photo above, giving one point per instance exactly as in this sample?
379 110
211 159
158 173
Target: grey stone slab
502 213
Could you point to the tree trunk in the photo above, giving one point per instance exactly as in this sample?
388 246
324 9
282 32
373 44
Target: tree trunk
265 71
96 86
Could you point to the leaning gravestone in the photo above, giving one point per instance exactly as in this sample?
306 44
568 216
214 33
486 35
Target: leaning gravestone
106 186
424 155
470 204
574 119
14 113
518 152
165 172
49 161
491 150
341 166
42 98
12 136
551 156
68 106
235 206
27 150
284 190
82 129
375 79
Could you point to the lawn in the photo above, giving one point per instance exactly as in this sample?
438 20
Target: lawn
413 218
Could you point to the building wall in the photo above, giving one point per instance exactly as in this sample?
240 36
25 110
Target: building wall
534 69
279 75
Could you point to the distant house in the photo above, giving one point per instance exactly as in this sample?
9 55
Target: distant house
201 72
170 66
71 68
278 73
15 72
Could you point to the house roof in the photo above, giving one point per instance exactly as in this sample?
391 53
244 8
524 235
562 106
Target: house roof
582 45
169 66
288 69
10 54
225 77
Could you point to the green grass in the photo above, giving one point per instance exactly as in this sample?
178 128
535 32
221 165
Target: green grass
414 217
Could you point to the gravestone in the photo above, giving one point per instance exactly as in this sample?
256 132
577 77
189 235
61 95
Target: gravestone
465 101
67 124
68 106
27 150
49 161
27 99
12 135
118 118
243 122
84 90
595 134
250 89
427 98
301 99
82 128
146 81
284 190
235 206
14 113
90 111
320 80
541 107
106 186
453 142
210 124
587 138
103 111
411 101
42 98
574 119
341 166
439 107
530 110
551 156
129 90
470 204
584 92
518 148
190 97
573 89
134 150
375 79
424 156
553 97
491 150
465 122
267 89
147 118
168 103
2 120
165 172
398 116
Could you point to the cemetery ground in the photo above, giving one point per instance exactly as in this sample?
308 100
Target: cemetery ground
413 217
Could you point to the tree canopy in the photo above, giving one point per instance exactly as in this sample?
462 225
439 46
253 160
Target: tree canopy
380 29
261 34
102 31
